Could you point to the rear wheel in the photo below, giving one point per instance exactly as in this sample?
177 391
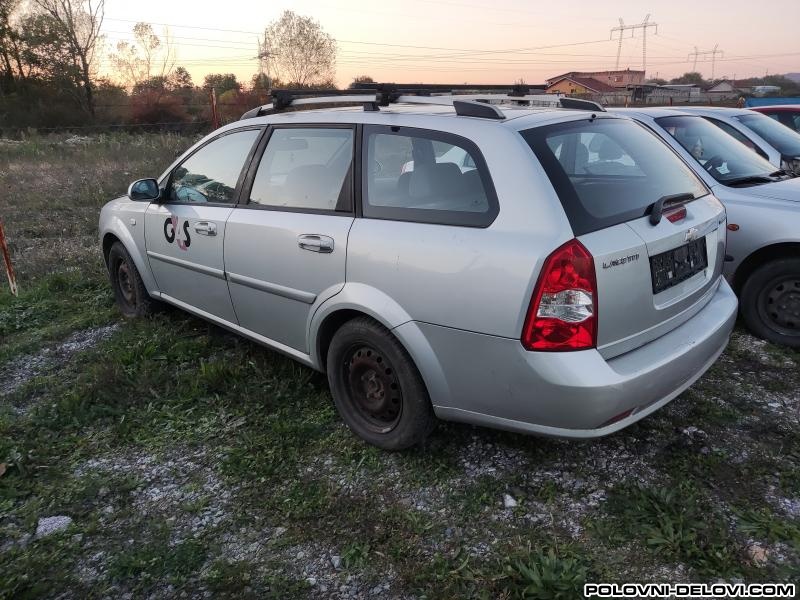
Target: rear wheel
129 291
376 386
770 302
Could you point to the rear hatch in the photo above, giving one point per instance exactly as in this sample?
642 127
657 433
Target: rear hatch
652 274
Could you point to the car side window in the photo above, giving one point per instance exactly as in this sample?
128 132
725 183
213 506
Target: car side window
306 168
732 131
426 176
211 173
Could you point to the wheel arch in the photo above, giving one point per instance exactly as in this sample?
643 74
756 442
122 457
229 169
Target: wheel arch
113 230
761 256
359 300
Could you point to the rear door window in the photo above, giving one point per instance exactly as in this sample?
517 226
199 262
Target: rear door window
607 171
306 169
427 176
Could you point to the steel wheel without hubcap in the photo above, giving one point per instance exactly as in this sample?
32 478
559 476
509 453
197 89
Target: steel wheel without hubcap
126 283
373 387
129 291
779 305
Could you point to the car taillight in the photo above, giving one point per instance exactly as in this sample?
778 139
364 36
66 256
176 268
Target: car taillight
563 311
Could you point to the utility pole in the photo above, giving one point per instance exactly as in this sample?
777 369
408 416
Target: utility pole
644 25
704 55
263 60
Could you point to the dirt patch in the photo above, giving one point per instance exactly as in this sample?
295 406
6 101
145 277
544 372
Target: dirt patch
23 369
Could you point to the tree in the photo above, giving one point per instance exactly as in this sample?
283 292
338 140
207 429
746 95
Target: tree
148 57
221 83
79 23
656 81
11 67
302 53
361 79
693 78
180 79
49 60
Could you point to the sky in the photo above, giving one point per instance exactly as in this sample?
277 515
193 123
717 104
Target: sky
477 41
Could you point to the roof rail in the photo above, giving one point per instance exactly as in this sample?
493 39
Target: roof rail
578 104
375 95
472 108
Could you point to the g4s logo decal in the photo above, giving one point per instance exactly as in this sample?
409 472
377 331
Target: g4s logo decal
171 231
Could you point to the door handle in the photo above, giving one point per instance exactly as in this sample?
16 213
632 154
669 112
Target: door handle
315 243
205 228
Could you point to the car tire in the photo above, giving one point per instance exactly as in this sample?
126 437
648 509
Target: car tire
376 387
129 291
770 302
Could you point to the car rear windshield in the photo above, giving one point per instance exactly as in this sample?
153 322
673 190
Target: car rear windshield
725 159
607 171
783 139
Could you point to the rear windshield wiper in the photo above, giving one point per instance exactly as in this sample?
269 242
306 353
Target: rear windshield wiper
750 179
667 201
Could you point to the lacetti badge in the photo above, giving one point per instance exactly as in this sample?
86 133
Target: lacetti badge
622 260
172 231
691 235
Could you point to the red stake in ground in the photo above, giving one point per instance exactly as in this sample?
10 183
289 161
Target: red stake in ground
12 279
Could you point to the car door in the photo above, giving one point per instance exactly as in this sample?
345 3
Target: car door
184 233
286 244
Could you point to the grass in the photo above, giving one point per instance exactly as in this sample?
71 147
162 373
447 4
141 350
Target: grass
194 461
676 523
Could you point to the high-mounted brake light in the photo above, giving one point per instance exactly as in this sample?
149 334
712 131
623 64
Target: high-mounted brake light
675 214
563 311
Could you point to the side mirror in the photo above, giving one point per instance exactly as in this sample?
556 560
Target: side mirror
144 189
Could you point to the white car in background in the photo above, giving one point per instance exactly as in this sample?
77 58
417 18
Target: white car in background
763 205
773 141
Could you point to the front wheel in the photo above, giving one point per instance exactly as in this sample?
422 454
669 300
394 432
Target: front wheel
770 302
376 387
129 291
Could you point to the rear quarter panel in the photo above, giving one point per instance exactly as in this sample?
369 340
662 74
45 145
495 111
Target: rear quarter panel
477 279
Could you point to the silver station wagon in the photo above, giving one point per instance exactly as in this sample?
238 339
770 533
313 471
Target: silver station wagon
549 270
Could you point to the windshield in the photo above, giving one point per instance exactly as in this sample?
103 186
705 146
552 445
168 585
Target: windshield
785 141
725 159
607 171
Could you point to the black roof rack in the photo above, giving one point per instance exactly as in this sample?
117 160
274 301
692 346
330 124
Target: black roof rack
375 95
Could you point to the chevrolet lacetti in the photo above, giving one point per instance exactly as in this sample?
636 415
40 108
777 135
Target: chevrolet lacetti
543 270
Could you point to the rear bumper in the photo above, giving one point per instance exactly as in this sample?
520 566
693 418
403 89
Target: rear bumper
493 381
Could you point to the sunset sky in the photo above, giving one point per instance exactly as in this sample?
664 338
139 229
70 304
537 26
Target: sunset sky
477 41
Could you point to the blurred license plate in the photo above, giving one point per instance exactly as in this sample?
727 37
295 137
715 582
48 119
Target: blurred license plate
679 264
